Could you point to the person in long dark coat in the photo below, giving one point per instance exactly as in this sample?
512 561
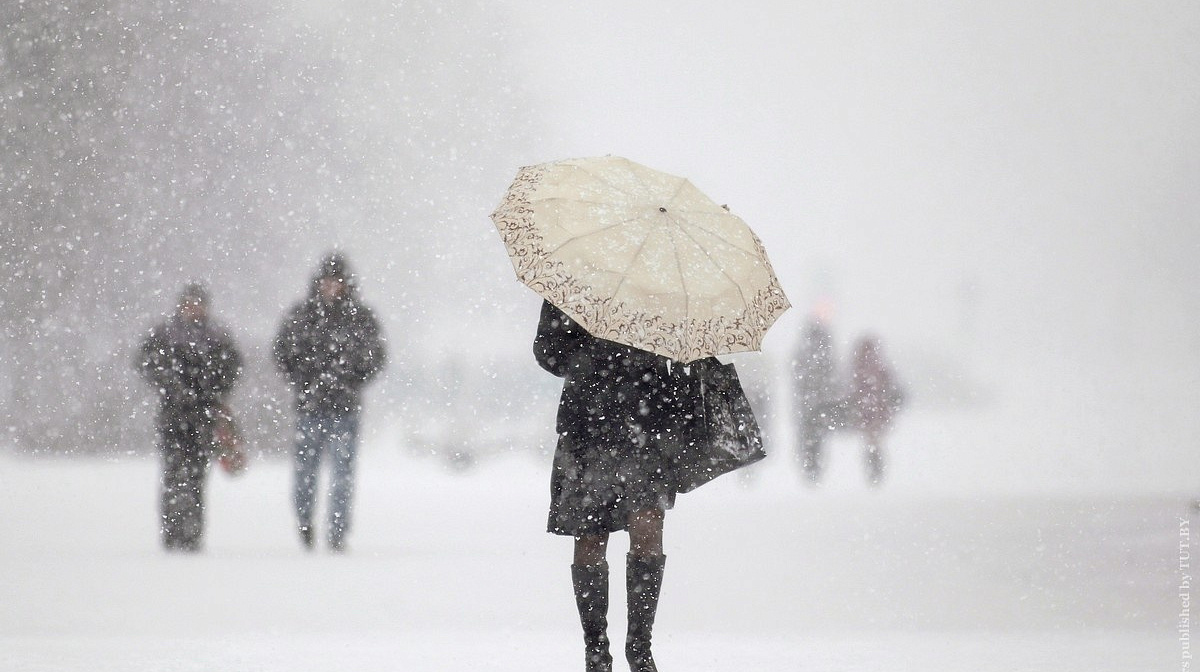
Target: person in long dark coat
875 398
816 388
329 347
619 408
192 363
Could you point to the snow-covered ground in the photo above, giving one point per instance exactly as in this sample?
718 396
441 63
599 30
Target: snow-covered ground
451 571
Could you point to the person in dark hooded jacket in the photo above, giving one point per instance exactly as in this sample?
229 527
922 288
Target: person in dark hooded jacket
329 347
620 407
192 363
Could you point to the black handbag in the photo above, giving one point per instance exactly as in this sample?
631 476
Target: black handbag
720 434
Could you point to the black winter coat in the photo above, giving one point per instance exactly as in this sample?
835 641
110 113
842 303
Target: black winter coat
193 365
328 351
608 387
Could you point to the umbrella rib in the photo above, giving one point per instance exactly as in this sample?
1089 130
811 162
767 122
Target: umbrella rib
687 303
625 273
601 180
678 190
718 236
637 177
703 251
543 199
581 236
683 183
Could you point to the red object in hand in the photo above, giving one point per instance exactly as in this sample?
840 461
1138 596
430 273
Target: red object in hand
228 441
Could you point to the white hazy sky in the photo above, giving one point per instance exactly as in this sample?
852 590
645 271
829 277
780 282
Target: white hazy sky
1010 186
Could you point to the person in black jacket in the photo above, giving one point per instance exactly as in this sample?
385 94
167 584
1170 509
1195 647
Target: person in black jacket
329 346
193 363
612 472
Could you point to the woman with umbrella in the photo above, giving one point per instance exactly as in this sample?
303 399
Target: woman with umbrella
641 275
610 473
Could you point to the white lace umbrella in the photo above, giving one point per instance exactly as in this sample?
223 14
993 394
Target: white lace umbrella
640 257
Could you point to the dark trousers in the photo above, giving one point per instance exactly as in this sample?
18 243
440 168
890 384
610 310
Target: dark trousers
813 431
186 449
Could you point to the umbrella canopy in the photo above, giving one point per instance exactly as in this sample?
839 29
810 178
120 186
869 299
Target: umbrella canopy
640 257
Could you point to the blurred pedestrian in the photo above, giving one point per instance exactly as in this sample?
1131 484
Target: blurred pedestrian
816 396
328 346
875 398
193 363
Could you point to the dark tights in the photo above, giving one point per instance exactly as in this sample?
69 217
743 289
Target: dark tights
645 539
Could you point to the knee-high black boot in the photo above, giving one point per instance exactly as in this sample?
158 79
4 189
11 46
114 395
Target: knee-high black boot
591 596
643 581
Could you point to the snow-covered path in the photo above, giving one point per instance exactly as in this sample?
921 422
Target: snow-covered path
452 572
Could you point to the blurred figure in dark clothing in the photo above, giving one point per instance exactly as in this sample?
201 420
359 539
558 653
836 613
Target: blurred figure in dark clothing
874 399
329 346
817 396
193 363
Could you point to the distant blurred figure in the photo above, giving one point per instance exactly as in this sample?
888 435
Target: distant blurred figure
329 346
815 375
193 363
874 399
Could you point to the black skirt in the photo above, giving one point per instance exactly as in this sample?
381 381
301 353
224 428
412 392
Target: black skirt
605 474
